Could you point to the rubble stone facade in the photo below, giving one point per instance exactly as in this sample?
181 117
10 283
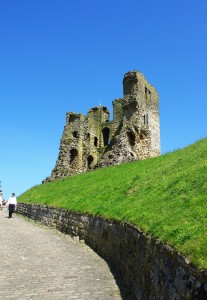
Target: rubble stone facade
95 141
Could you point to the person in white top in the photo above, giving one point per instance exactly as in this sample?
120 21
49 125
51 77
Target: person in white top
12 203
1 200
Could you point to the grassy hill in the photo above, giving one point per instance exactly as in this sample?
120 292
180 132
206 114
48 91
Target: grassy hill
164 196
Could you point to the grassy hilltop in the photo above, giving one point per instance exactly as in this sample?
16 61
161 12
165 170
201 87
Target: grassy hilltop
164 196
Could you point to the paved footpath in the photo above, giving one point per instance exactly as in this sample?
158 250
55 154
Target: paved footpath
40 263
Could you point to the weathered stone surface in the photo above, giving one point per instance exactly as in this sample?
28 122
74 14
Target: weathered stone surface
147 268
95 141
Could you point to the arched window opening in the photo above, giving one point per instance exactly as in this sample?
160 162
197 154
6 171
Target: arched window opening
90 161
131 138
73 156
106 133
75 134
95 141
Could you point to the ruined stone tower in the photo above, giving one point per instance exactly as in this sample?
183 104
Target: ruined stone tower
94 141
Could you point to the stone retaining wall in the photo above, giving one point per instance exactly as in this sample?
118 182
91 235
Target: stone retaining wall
147 269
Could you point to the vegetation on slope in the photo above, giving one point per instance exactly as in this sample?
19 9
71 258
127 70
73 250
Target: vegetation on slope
164 196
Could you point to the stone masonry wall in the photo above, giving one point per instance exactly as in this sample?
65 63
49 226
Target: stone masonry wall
94 141
147 269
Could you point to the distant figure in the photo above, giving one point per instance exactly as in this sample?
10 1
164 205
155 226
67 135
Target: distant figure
12 203
1 200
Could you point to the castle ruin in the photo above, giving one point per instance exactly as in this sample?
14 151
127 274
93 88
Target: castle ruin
95 141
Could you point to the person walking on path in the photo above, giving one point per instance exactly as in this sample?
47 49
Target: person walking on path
12 203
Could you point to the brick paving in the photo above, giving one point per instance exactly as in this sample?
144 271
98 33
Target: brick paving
43 264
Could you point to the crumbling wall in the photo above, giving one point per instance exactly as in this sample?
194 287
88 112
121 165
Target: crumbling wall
95 141
150 269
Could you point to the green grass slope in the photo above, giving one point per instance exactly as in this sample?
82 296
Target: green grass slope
164 196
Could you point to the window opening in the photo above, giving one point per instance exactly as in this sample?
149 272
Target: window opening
73 155
145 93
106 133
149 95
75 134
131 138
146 119
95 141
90 161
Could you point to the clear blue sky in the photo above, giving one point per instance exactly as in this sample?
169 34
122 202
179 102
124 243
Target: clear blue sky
58 56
